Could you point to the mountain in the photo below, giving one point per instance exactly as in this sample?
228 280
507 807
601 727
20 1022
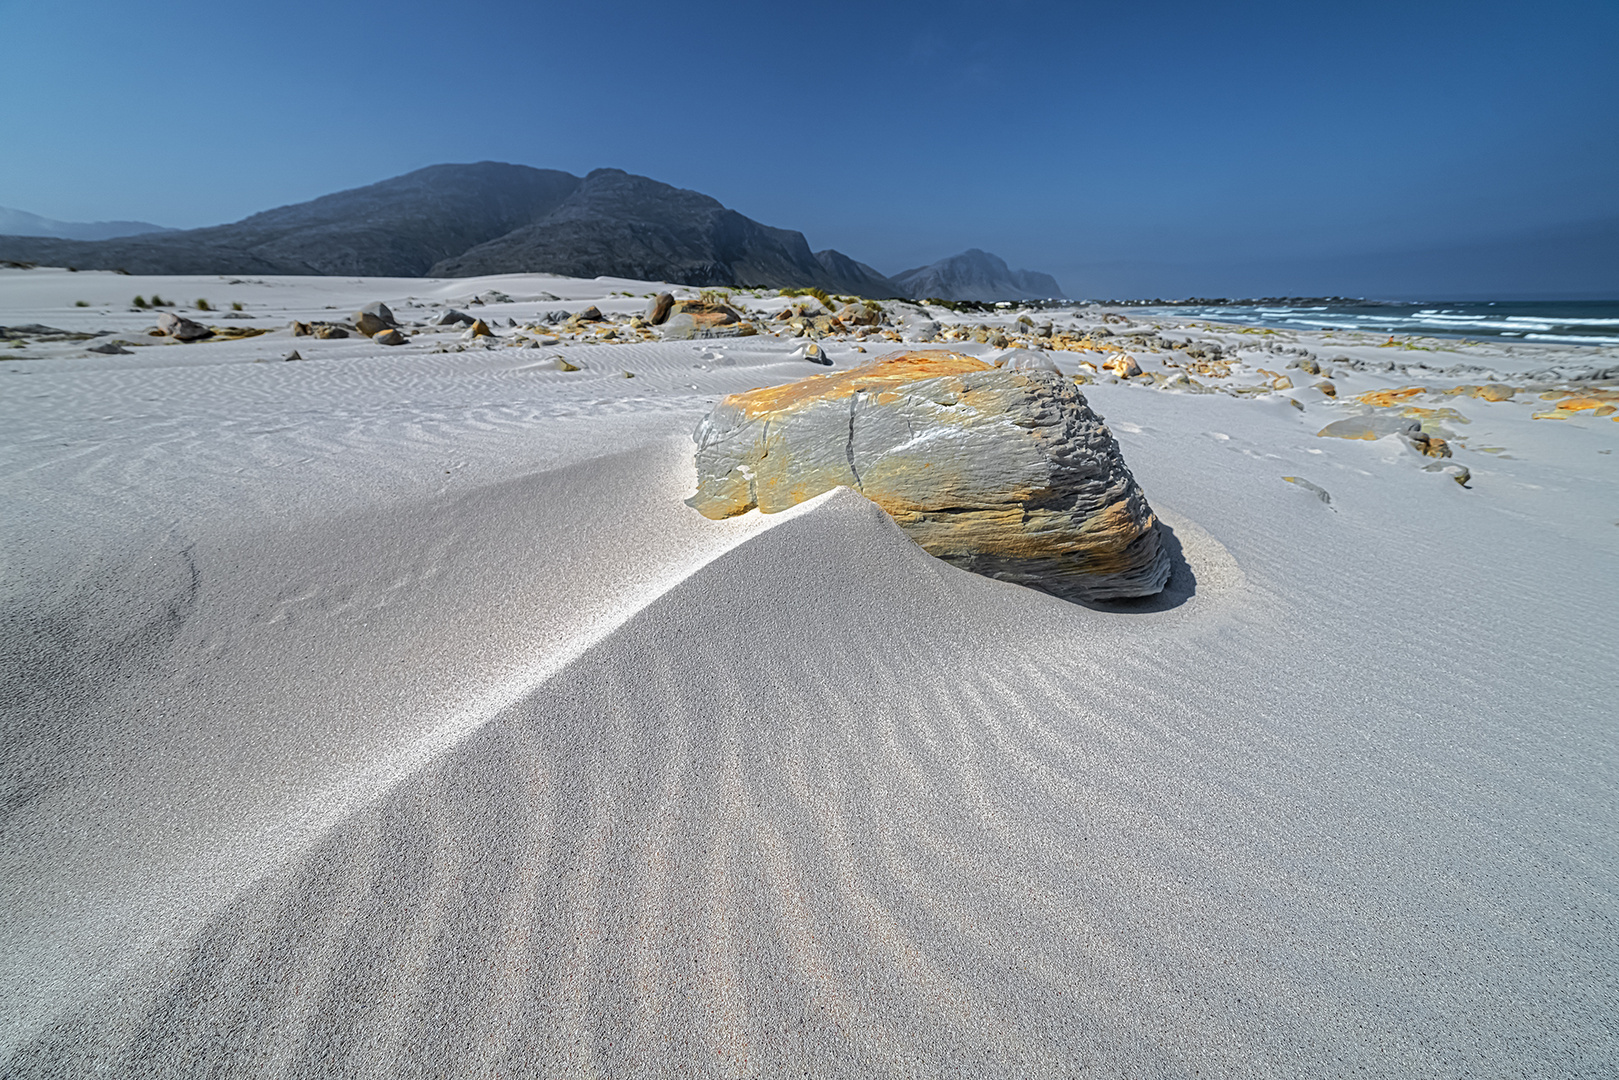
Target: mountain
977 275
22 223
867 281
398 228
488 218
619 225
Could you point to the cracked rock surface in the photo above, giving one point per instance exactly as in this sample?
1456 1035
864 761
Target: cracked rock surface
1005 472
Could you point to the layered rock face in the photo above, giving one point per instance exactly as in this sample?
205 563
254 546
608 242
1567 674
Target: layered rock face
1005 472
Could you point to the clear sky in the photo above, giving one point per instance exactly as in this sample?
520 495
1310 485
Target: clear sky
1084 139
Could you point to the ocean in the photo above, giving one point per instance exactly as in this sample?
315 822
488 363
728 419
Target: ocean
1566 322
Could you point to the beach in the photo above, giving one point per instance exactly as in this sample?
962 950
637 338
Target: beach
388 712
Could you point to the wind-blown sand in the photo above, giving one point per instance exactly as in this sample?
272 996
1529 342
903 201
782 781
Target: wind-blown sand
389 714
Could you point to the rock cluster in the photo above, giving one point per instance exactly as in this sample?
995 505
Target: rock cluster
1003 471
374 319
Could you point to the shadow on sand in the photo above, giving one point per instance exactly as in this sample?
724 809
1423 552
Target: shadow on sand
1182 585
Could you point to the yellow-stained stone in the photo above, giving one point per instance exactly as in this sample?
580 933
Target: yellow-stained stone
1386 398
1005 472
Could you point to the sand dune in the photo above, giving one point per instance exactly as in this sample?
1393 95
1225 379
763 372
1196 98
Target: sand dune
829 804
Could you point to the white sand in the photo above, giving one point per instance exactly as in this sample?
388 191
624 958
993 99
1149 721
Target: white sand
388 714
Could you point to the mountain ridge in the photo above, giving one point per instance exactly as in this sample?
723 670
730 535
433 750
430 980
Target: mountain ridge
977 275
14 222
469 220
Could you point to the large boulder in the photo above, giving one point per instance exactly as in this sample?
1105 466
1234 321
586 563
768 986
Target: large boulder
1003 471
695 319
374 319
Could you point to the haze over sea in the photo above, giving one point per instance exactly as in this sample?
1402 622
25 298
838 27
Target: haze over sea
1564 322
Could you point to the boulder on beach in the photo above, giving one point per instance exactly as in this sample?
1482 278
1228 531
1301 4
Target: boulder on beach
389 337
1370 427
374 319
1007 473
696 319
858 314
454 318
1026 360
181 328
659 309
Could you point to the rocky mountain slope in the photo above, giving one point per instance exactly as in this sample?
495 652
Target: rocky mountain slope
487 218
977 275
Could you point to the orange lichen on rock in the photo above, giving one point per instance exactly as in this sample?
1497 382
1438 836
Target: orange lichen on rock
1386 398
881 374
1123 365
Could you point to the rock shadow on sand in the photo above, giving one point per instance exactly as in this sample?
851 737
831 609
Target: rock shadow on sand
1181 586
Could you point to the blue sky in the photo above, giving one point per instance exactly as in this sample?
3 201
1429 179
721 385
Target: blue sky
1072 138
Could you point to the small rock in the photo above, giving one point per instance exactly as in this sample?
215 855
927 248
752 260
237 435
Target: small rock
1320 492
858 315
1026 360
389 337
373 319
1369 428
1496 392
563 365
813 352
1123 365
659 309
326 331
454 318
109 349
181 328
695 319
591 314
1327 388
1457 472
478 329
918 327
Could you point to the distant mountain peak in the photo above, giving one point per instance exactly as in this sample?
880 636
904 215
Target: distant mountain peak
22 223
977 275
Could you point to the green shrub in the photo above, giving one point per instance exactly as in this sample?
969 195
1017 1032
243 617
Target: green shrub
81 303
158 301
203 305
140 301
819 294
236 305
